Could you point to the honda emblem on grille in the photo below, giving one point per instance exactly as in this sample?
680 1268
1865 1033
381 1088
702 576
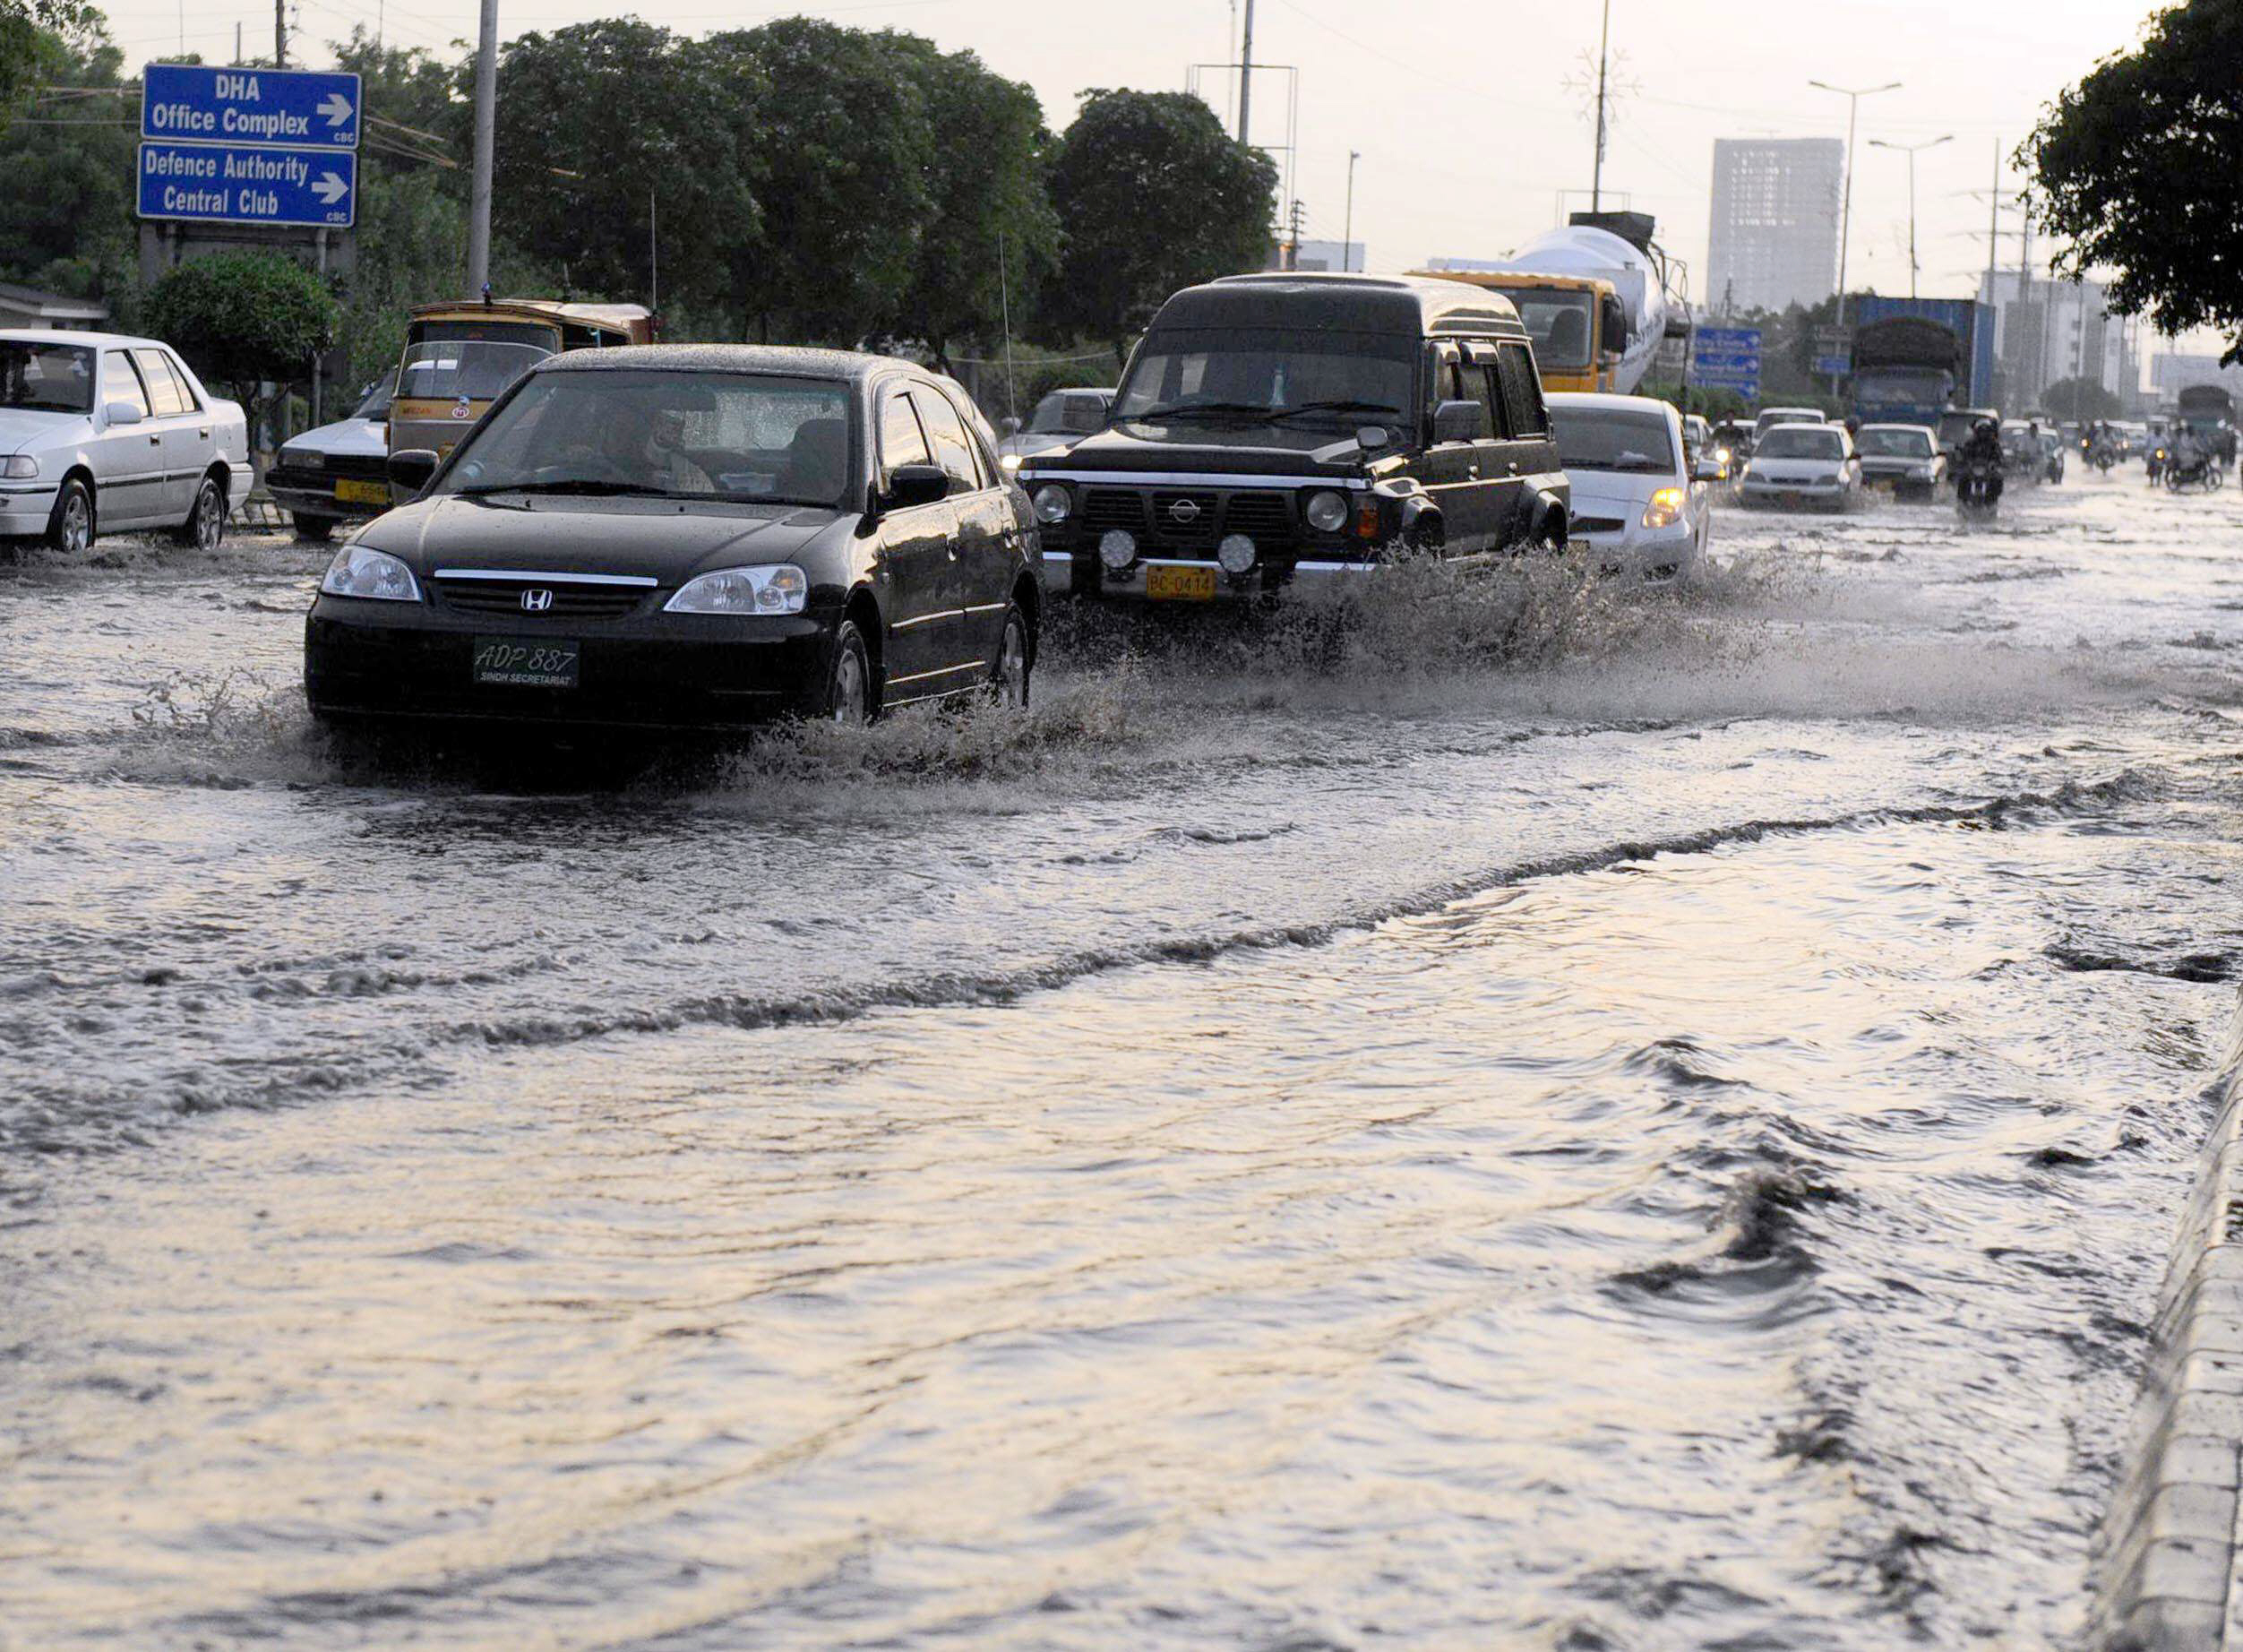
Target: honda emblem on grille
537 601
1184 512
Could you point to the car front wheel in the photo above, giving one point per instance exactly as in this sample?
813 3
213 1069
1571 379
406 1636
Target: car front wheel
849 695
69 529
205 527
1008 679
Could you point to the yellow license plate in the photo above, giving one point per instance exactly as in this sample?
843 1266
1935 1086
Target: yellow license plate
1180 584
362 493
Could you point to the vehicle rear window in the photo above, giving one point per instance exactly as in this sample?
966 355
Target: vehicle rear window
1800 441
445 369
45 378
1602 439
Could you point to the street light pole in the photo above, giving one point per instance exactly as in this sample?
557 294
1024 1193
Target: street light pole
1911 150
1347 234
485 136
1846 218
1246 71
1603 63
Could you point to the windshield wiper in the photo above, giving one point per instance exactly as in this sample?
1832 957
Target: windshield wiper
1220 409
590 486
1335 407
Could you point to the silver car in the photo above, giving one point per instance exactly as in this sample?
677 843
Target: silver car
1641 500
1063 419
103 433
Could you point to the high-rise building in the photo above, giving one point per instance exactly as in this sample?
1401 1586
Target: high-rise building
2045 332
1775 236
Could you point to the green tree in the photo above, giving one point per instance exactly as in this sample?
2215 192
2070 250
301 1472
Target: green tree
1152 195
2081 398
2139 169
843 145
32 34
986 185
603 127
66 204
243 318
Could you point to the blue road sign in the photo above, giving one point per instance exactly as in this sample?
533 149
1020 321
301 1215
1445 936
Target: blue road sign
245 184
1729 339
1834 366
298 109
1726 361
1727 358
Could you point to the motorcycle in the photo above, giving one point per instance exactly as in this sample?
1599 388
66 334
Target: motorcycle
1977 488
2102 457
2204 473
2156 463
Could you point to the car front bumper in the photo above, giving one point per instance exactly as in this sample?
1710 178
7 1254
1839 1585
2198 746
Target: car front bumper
367 660
1308 579
1754 491
26 507
302 492
1637 550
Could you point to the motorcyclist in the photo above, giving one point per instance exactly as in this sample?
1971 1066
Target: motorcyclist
1980 455
1984 445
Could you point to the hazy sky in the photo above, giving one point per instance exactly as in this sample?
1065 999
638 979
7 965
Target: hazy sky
1462 110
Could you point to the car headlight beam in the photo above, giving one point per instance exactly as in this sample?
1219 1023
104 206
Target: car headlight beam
779 588
357 571
1665 508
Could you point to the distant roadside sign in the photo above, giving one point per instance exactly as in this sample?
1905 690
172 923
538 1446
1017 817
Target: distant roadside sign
245 184
295 109
1834 366
1726 358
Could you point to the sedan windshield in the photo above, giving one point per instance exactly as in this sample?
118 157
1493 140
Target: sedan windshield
1245 375
476 368
1596 438
1800 441
1894 443
45 378
659 432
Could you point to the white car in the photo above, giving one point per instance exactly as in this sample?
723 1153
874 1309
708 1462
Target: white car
1907 456
336 473
1063 419
1803 465
103 433
1640 503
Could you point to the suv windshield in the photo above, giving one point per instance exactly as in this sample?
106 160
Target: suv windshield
1894 443
476 368
1068 413
1592 439
1559 323
1246 376
1799 441
723 435
45 378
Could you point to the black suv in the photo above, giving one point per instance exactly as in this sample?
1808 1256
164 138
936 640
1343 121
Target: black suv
1278 431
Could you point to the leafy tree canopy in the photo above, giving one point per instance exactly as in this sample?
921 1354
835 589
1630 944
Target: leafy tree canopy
2139 169
32 34
2081 398
1152 195
245 316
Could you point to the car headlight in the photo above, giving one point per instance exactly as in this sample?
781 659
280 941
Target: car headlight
1118 548
1236 552
1009 462
1665 508
781 588
1052 503
1721 456
1327 512
19 467
303 458
357 571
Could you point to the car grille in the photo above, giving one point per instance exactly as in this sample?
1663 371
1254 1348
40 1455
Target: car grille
1596 524
1264 515
569 601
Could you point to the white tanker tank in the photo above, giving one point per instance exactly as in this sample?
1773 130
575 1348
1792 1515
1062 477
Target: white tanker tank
1616 247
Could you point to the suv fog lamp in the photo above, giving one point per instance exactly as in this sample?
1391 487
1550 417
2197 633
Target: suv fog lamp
1236 552
780 588
1665 508
1327 512
1117 549
20 465
359 572
1052 503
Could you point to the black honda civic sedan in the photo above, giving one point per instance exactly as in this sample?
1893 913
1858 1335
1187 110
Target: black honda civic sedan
688 537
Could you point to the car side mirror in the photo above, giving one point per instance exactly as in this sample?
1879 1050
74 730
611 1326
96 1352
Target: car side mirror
913 484
1011 426
121 413
412 466
1461 421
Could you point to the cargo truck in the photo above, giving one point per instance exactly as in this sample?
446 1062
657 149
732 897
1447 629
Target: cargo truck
1916 358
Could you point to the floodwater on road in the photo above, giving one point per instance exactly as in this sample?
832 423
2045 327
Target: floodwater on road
1658 1131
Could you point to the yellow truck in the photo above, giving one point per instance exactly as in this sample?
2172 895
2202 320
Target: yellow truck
1577 321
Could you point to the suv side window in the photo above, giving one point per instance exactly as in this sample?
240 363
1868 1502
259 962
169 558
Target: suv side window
952 452
1522 391
121 381
901 440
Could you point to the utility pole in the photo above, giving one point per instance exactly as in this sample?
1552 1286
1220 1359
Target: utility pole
486 139
1846 212
1909 150
1246 72
280 34
1347 234
1291 250
1604 65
